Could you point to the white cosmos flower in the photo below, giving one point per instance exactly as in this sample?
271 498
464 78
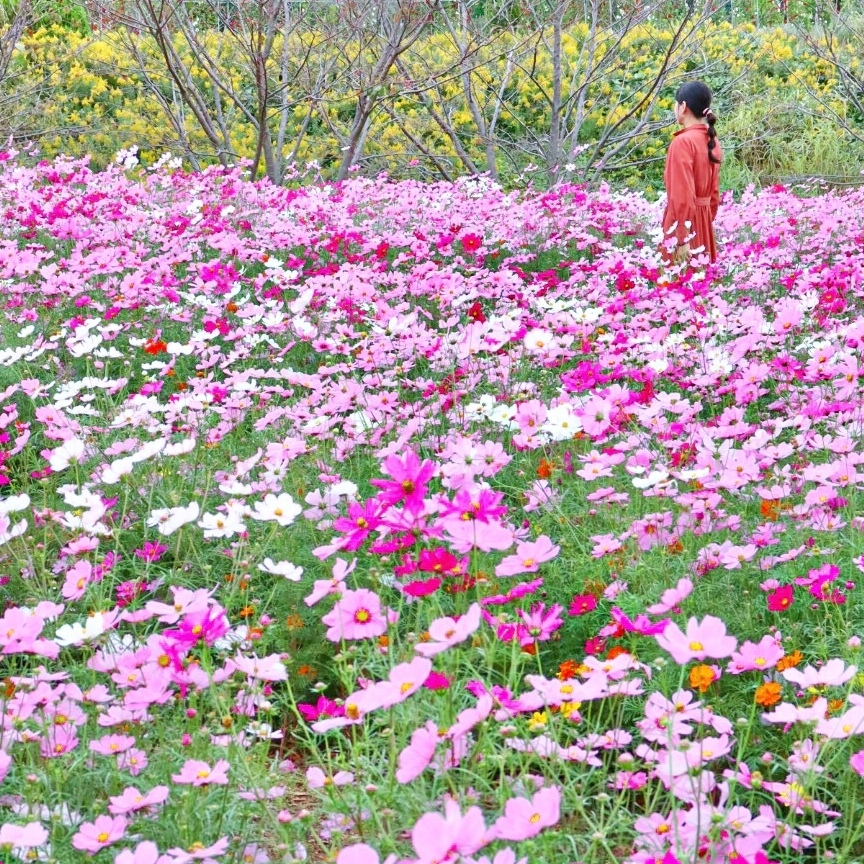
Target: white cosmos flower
76 634
68 452
169 519
343 487
14 503
281 568
8 531
116 470
218 525
84 346
282 509
187 445
656 477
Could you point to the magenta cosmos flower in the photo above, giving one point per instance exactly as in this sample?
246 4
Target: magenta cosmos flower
707 639
356 615
408 483
524 818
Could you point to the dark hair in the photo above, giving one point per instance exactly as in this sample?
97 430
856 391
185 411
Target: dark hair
698 95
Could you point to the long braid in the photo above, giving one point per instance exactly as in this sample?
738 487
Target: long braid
698 97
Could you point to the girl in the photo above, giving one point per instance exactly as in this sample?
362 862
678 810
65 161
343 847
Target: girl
692 177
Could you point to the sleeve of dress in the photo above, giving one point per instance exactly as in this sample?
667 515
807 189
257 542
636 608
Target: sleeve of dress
681 190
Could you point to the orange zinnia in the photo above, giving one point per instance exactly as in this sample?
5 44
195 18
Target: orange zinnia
768 694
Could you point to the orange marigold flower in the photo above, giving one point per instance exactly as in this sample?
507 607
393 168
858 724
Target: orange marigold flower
616 651
770 509
789 661
231 307
294 622
544 469
567 670
675 548
247 612
530 649
701 677
155 346
384 641
768 694
306 671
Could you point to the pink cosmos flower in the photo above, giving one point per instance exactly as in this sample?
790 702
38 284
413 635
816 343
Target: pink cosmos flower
356 615
705 639
357 706
641 624
446 632
524 818
528 557
317 779
270 668
788 714
197 773
540 623
132 800
417 756
336 585
112 745
134 761
440 838
358 853
105 830
753 657
205 626
27 836
672 597
403 680
856 760
832 674
199 854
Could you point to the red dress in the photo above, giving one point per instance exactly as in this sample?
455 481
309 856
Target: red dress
692 189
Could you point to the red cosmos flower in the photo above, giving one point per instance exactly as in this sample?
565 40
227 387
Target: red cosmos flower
155 346
475 312
471 242
781 599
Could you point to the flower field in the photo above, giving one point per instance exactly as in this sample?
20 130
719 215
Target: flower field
425 523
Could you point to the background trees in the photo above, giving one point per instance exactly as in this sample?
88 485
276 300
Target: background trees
577 89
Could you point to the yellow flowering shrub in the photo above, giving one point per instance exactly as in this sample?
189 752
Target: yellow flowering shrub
94 99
